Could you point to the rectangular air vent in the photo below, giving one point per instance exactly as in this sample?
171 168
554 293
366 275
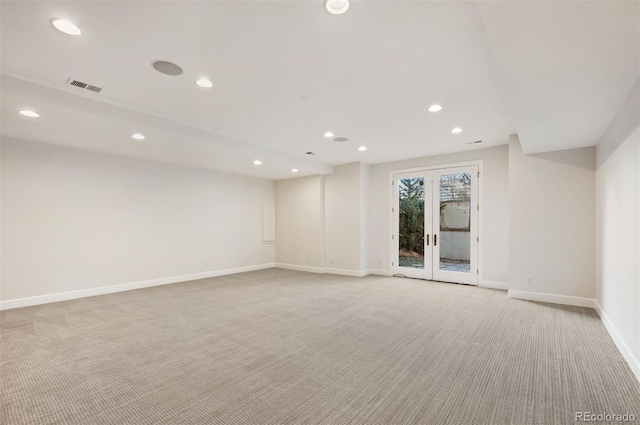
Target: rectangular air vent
94 88
79 84
85 86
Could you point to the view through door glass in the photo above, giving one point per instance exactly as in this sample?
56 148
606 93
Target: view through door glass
411 223
455 222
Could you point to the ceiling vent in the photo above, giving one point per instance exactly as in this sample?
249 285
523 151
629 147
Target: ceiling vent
84 86
309 153
473 143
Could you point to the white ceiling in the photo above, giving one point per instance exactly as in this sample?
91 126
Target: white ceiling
555 72
81 122
566 66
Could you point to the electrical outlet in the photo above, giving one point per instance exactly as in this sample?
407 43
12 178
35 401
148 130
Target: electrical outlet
527 280
332 261
379 262
208 263
306 260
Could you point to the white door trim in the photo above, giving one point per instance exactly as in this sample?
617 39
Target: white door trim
480 164
395 231
470 278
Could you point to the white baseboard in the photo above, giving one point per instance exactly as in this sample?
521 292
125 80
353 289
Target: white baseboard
300 268
552 298
380 272
633 362
102 290
345 272
494 285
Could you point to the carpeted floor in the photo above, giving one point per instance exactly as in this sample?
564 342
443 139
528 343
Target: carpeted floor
284 347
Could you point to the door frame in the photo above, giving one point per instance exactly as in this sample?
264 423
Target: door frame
451 276
479 164
428 212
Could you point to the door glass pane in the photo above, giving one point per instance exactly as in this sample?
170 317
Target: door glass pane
455 222
411 226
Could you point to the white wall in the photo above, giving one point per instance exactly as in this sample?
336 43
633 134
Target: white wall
300 222
321 221
618 228
76 220
552 221
495 204
365 202
343 217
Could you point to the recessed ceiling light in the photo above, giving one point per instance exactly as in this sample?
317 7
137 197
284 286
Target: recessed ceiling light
456 130
204 83
435 108
336 7
30 114
294 170
328 134
362 148
137 136
257 162
65 26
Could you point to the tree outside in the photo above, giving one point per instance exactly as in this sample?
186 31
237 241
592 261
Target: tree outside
411 224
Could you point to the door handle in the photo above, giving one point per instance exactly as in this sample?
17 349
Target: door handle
427 239
435 240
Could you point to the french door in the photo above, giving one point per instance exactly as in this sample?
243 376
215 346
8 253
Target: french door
435 214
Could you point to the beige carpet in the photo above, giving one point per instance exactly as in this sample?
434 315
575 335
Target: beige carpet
283 347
